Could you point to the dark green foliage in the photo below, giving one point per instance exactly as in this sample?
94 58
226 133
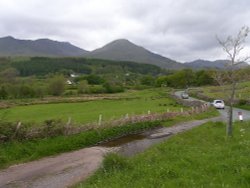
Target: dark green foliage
148 80
3 92
113 88
43 66
203 77
186 78
15 91
242 102
94 79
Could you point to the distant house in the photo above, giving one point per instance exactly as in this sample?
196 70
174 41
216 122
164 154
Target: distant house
73 75
69 82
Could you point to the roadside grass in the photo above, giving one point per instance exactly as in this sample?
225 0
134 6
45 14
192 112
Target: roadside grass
155 100
245 107
18 152
201 157
216 92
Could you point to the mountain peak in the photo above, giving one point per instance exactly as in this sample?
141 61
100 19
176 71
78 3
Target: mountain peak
124 50
8 37
9 46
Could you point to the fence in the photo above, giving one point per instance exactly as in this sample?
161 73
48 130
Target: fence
53 128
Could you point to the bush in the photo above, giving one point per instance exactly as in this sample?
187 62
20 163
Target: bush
114 161
112 88
94 79
56 85
97 89
3 92
242 102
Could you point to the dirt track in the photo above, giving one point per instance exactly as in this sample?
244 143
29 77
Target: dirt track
52 172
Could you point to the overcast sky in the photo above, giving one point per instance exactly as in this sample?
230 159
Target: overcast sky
183 30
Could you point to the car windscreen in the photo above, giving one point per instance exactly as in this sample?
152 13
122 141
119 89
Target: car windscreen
218 102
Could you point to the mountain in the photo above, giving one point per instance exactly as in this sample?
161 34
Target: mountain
10 46
124 50
205 64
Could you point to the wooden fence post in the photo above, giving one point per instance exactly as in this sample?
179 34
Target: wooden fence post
100 120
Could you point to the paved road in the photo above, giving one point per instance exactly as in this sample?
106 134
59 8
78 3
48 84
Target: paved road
224 113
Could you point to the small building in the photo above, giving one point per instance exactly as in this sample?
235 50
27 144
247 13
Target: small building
69 82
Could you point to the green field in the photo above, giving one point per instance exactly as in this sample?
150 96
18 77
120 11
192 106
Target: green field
202 157
136 102
218 92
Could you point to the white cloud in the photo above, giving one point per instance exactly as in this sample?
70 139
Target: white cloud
183 30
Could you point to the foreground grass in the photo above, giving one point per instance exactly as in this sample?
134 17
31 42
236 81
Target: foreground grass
202 157
17 152
155 100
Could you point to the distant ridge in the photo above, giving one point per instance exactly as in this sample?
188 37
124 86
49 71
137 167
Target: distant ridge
205 64
124 50
9 46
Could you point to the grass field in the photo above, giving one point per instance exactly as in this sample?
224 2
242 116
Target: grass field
217 92
202 157
155 100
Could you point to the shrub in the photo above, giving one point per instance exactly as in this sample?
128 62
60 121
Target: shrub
112 88
56 85
242 102
114 161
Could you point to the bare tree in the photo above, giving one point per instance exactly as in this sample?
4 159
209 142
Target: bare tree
233 47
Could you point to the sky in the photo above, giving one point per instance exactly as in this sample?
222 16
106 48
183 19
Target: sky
183 30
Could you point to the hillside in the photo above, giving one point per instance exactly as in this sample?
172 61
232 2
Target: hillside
205 64
124 50
10 46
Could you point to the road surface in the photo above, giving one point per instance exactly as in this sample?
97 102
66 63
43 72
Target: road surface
224 113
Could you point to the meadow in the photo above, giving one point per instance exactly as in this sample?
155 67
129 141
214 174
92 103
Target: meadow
130 102
201 157
219 92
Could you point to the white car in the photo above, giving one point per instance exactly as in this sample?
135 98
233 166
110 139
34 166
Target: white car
184 95
219 104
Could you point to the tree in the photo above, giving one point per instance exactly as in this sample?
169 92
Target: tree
56 85
148 80
233 47
83 87
9 75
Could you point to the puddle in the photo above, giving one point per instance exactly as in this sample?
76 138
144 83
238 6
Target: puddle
132 144
124 140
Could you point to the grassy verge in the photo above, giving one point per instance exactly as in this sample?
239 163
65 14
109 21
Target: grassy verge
202 157
17 152
245 107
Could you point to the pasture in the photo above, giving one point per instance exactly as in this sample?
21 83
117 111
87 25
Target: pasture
131 103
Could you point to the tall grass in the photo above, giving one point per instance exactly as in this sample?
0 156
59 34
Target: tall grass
202 157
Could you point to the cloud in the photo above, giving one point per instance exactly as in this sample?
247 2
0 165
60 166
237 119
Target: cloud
182 30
